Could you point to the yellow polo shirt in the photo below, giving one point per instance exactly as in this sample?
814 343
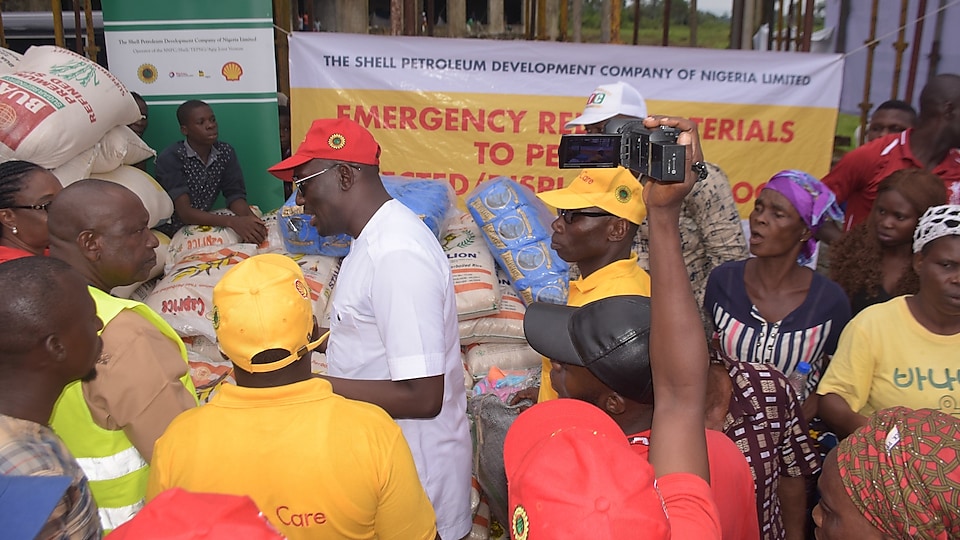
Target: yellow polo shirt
318 465
619 278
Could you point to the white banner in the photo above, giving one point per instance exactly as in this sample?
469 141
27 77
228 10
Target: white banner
195 61
466 110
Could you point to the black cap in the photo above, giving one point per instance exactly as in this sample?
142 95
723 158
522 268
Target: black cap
609 337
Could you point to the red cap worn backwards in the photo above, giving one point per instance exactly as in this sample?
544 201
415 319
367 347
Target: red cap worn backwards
337 139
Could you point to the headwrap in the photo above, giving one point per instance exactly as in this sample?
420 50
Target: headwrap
936 222
902 472
812 200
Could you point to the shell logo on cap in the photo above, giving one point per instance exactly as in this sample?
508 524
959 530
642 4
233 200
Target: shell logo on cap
302 289
623 194
520 526
337 141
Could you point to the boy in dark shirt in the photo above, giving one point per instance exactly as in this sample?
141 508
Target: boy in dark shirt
194 171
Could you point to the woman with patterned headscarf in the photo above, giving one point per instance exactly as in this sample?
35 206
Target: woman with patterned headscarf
771 309
898 476
904 352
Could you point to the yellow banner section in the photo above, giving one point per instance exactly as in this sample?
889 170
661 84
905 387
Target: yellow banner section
468 138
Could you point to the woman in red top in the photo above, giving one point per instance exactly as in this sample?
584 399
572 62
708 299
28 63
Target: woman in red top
25 191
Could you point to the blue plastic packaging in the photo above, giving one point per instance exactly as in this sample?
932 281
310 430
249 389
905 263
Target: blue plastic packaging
516 226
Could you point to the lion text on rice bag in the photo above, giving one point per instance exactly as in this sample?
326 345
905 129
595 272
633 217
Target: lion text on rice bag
474 272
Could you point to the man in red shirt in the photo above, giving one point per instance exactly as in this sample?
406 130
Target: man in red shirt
932 145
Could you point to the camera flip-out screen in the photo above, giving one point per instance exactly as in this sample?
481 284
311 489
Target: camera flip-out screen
589 151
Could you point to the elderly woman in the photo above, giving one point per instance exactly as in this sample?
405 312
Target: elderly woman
25 191
873 262
898 476
770 309
904 352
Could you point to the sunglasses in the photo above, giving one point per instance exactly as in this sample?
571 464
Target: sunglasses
300 182
34 206
569 215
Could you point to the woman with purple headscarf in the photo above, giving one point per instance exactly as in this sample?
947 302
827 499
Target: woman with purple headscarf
770 309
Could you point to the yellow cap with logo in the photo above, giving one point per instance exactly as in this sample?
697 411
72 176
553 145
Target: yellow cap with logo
613 190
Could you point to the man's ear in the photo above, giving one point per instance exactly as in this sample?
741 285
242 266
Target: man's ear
619 229
55 348
346 176
613 403
89 243
183 130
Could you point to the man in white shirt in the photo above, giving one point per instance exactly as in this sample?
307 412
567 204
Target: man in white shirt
393 340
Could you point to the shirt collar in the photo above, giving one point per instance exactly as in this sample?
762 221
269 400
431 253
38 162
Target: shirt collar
214 152
614 270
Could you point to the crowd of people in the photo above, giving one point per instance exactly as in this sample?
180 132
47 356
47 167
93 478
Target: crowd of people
700 382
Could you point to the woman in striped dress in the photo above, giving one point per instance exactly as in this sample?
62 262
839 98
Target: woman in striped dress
770 309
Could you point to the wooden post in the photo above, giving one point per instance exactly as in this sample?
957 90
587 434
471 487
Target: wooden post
283 22
636 21
563 20
871 46
615 9
577 9
411 18
937 40
736 24
431 16
92 49
605 16
77 31
456 18
665 41
495 25
396 17
807 27
57 7
915 52
693 23
3 35
541 19
900 45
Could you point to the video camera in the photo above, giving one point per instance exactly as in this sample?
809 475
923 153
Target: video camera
625 141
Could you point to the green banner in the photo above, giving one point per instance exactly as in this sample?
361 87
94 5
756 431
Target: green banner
218 52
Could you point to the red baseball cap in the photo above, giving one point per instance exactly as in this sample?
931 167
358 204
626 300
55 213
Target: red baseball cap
572 474
182 515
339 139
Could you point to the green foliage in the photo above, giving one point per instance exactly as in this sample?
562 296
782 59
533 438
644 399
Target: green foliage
712 31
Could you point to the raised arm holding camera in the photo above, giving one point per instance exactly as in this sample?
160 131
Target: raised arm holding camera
570 469
710 229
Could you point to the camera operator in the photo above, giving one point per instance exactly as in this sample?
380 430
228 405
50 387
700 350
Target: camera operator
710 229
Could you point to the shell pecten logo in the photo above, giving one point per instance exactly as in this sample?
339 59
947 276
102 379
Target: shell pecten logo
231 71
